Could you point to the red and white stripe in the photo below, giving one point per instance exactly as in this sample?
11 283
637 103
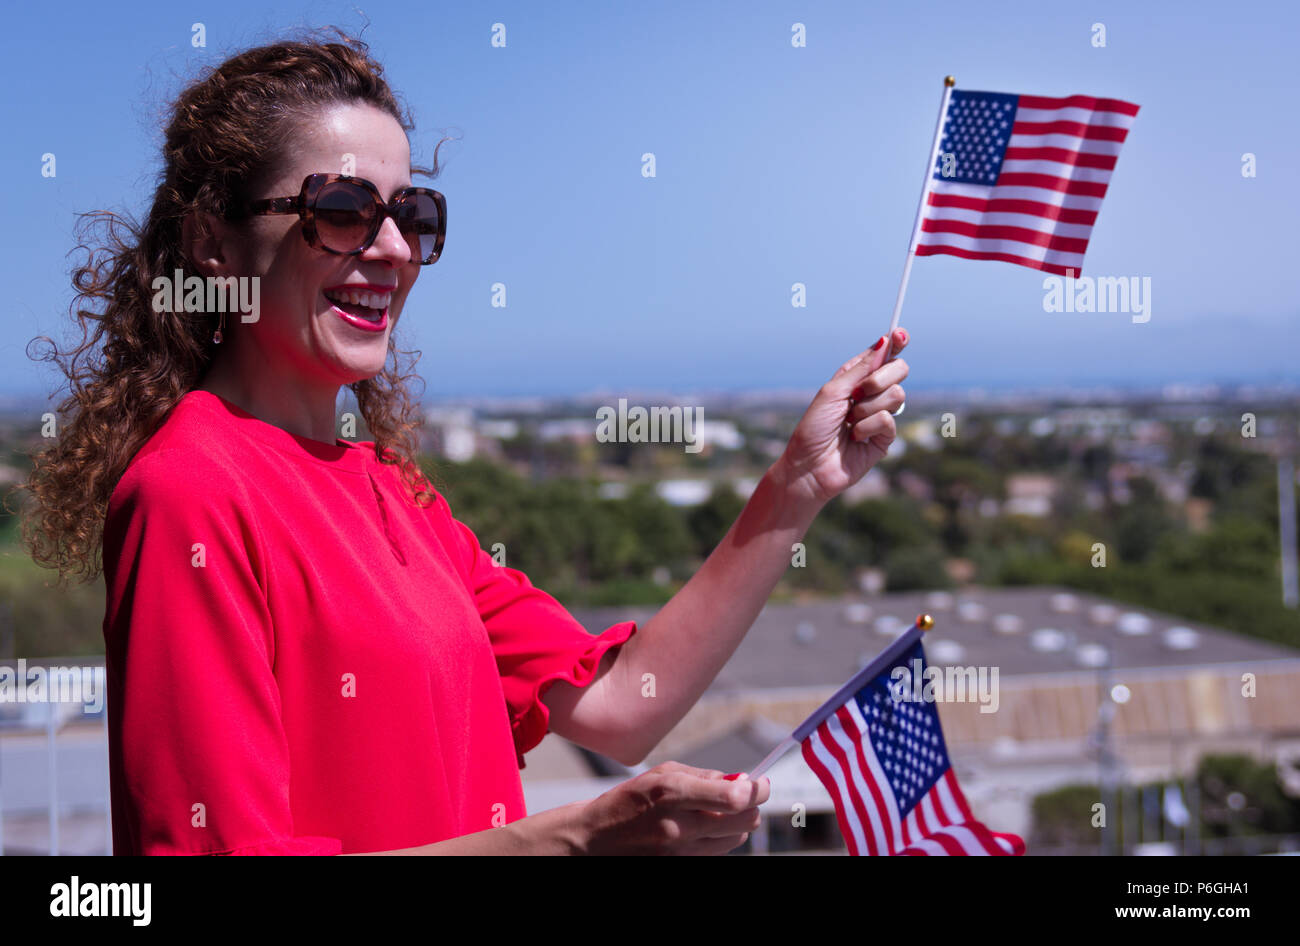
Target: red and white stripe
840 752
1041 209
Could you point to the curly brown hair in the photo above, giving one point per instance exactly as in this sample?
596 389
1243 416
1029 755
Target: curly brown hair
226 133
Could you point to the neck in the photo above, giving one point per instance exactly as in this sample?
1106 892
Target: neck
276 398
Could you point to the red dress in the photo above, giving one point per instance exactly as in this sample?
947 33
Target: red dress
302 661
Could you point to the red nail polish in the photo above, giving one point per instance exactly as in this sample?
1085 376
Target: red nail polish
879 343
733 776
904 334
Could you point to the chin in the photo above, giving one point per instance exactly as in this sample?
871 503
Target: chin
359 359
357 373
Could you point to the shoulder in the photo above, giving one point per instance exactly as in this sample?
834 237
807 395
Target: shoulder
185 462
178 490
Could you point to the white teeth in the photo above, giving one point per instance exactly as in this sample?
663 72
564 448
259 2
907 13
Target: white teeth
373 300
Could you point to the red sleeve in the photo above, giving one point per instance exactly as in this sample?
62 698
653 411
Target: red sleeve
191 650
535 639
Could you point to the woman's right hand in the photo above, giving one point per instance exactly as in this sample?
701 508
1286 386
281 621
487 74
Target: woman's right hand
673 809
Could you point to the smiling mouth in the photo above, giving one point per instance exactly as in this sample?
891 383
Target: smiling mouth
368 306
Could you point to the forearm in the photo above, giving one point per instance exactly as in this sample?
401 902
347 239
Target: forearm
687 643
555 832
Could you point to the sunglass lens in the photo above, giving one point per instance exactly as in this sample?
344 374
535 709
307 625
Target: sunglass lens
345 214
420 221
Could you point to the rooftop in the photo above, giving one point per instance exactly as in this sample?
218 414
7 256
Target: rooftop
1021 631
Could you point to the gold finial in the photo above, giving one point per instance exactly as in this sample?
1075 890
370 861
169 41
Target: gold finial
950 81
925 621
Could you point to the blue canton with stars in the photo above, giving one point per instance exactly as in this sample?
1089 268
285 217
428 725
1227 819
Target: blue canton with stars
905 734
976 134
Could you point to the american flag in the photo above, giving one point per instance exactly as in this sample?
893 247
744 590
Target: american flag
885 764
1020 178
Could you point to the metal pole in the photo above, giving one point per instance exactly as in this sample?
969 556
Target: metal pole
1194 790
1286 530
1187 828
54 781
1160 801
6 653
6 632
2 802
1146 807
1135 822
108 792
1105 712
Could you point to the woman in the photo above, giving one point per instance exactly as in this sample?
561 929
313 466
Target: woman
306 652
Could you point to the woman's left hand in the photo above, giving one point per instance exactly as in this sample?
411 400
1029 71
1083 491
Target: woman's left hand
848 427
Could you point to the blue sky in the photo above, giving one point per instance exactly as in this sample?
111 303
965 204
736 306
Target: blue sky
775 165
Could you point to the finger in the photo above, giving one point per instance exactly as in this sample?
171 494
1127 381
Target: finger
690 770
880 443
877 356
698 773
722 826
863 378
852 371
673 766
879 428
689 792
891 399
880 380
697 825
861 357
899 342
748 793
760 790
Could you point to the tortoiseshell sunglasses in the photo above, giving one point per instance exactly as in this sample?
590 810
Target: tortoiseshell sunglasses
342 215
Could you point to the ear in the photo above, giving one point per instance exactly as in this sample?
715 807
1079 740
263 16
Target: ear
203 239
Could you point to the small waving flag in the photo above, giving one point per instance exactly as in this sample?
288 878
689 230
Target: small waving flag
1020 178
877 746
885 764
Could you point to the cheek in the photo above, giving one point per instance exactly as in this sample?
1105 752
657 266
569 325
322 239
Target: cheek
286 301
289 308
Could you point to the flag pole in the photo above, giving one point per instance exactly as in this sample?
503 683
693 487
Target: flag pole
872 670
948 83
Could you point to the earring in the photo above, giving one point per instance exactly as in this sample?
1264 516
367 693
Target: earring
216 336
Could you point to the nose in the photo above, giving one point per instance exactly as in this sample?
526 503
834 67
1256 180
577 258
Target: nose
389 245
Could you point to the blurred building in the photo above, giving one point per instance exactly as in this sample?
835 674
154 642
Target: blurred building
449 432
1030 494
